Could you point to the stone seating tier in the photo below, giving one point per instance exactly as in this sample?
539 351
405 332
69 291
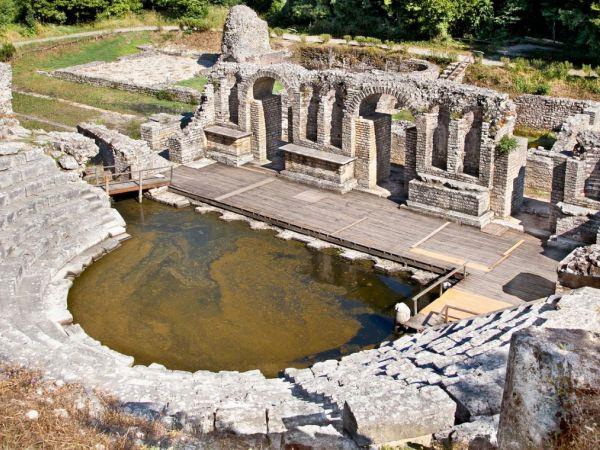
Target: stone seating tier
415 385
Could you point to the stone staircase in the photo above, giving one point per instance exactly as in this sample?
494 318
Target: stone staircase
455 71
53 225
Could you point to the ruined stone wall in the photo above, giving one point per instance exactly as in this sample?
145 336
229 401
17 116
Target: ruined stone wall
539 170
272 111
172 92
548 113
509 180
5 89
400 144
159 130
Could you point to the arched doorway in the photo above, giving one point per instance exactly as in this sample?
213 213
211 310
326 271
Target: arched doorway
270 118
384 134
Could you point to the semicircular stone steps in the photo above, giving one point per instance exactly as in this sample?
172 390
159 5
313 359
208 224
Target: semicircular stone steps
51 231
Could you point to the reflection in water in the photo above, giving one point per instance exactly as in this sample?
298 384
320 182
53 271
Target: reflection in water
193 292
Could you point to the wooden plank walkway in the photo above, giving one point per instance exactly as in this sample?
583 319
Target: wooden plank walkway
499 269
133 185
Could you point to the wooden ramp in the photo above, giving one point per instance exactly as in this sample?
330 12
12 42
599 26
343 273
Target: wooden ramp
508 268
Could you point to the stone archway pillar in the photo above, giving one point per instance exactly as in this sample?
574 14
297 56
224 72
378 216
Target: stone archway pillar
426 124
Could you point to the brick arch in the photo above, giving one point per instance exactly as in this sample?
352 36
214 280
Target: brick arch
287 106
246 87
404 94
400 93
289 85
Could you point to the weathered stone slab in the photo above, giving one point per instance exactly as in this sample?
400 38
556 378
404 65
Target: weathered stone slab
552 393
379 418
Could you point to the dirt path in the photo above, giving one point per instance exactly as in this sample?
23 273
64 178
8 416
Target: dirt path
48 122
94 33
116 114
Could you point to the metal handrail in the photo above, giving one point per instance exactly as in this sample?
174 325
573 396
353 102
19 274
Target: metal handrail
437 282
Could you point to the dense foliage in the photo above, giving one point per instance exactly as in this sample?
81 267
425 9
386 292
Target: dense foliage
575 22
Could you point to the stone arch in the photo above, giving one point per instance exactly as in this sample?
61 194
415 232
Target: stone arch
268 115
367 133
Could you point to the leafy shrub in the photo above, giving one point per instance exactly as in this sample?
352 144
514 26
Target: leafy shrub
558 70
165 95
7 52
347 37
8 12
303 37
507 144
360 39
372 40
189 12
278 31
325 37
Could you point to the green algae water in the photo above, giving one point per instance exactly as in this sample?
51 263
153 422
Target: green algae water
192 292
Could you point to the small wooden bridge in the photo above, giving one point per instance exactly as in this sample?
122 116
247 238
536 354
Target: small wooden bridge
115 183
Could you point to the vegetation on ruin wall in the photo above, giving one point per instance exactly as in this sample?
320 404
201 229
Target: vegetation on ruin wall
30 60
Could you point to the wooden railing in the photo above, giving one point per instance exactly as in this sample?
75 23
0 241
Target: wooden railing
136 177
439 282
446 315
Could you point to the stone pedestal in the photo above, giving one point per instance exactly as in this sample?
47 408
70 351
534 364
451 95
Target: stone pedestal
453 200
318 168
228 145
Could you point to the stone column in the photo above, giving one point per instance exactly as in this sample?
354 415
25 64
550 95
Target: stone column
509 180
456 146
425 124
257 127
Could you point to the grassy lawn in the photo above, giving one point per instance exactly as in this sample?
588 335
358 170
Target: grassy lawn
37 125
535 76
28 62
404 114
197 83
51 110
537 138
68 115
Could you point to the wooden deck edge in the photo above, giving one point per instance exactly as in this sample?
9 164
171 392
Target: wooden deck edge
415 263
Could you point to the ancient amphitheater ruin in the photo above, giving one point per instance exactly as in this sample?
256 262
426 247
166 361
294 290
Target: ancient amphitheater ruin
477 380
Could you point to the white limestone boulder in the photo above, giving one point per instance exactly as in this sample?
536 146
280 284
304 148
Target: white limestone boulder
245 35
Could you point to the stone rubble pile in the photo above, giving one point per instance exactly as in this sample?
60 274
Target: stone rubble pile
72 151
582 261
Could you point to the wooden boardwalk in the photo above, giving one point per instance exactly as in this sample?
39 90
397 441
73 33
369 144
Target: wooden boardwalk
503 265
